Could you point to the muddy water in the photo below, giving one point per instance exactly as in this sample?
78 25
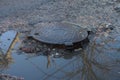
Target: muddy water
100 60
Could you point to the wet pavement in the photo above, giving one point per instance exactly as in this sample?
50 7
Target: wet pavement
98 60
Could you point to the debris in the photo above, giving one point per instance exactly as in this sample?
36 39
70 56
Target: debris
9 77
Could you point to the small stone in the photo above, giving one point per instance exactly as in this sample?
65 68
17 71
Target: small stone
48 49
78 49
37 49
117 8
53 49
106 34
56 54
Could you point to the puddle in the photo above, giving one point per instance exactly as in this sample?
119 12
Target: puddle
6 40
97 61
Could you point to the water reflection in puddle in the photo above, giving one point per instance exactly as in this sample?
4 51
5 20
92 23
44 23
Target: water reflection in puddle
98 61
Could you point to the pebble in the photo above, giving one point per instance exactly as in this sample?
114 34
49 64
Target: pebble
117 8
78 49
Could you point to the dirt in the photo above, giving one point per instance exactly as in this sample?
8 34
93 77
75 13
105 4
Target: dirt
24 15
